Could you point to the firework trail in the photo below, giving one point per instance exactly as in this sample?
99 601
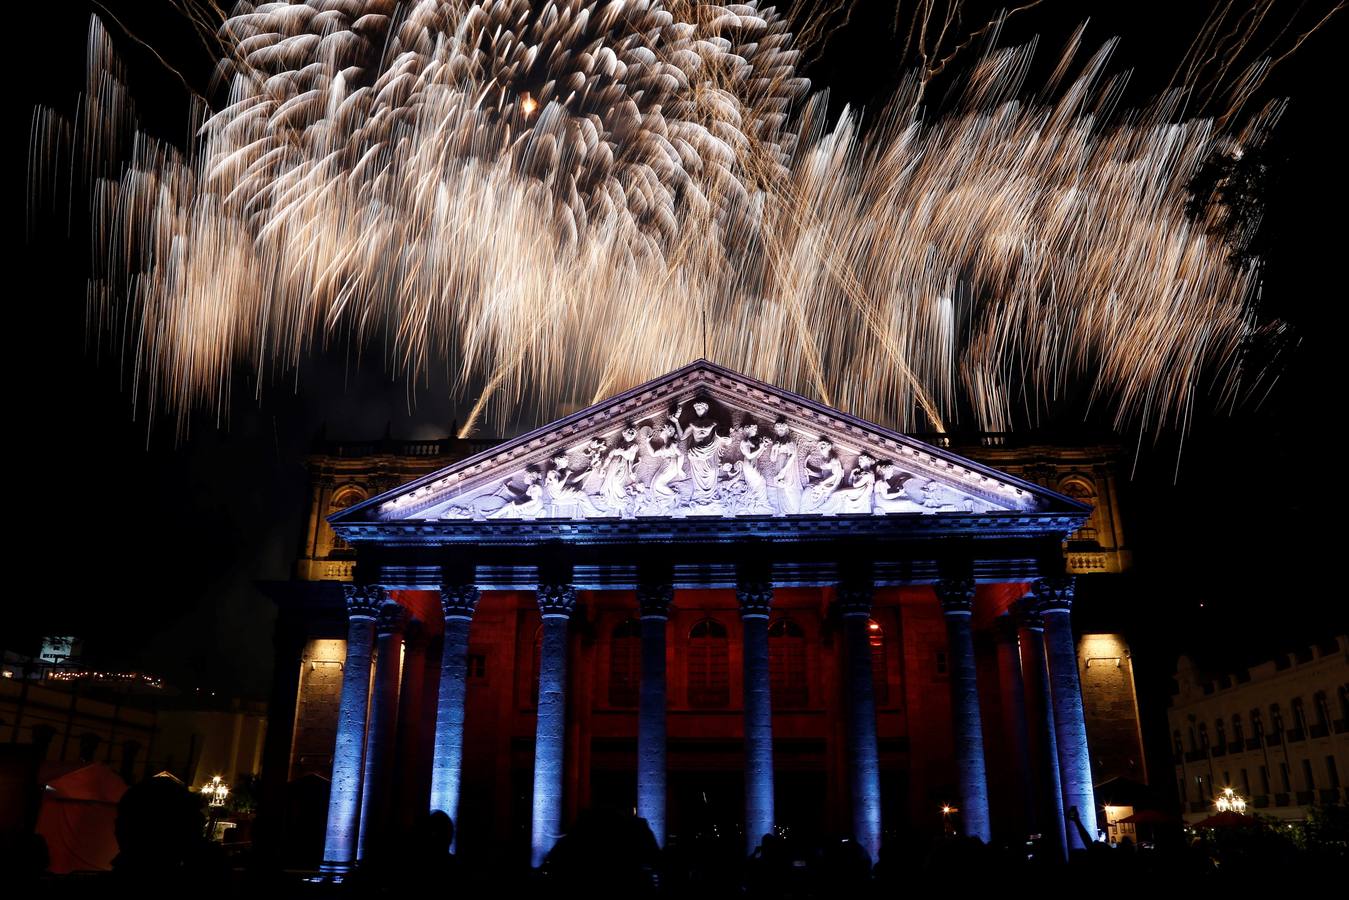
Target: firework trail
558 200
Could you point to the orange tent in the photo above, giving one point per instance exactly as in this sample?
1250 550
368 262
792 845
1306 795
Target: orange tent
78 813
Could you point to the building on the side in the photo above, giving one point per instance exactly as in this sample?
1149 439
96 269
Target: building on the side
1277 733
63 716
708 600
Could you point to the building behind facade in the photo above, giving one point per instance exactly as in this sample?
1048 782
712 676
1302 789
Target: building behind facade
1277 733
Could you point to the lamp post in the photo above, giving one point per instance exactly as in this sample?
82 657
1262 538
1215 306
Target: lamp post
1230 801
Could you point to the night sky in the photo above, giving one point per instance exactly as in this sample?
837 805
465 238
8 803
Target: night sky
148 546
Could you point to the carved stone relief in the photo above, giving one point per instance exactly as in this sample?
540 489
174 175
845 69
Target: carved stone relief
700 457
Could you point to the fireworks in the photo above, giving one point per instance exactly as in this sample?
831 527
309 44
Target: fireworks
560 200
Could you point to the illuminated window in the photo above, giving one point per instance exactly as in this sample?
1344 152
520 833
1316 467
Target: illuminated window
709 682
625 663
880 671
787 664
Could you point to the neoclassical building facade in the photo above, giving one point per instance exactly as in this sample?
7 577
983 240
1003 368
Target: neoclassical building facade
705 600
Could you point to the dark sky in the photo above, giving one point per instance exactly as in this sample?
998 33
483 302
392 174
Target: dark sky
148 546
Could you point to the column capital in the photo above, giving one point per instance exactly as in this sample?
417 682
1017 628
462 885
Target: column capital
392 618
459 601
755 598
956 595
364 600
1027 613
556 600
1054 595
654 599
855 598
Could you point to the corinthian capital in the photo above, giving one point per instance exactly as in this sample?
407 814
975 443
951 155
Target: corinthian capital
392 616
364 600
459 601
755 597
855 598
653 600
956 594
1054 594
556 599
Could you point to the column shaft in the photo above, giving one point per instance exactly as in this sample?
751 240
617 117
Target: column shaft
1012 693
1070 726
654 603
957 597
410 729
864 768
1040 712
755 602
556 603
379 735
458 603
344 797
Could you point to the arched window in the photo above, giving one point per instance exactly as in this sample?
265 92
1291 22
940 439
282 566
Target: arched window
787 664
1276 720
346 496
1237 736
1257 724
880 671
1203 736
1299 717
1084 491
1220 734
709 681
1177 746
625 663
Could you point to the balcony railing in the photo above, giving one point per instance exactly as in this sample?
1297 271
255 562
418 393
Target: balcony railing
1261 801
1329 795
1280 799
1319 731
1296 734
1304 798
1235 746
1253 743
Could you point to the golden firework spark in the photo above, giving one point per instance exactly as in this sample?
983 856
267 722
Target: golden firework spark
561 200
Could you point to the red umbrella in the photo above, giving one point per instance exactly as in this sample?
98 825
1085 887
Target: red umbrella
1149 817
1227 819
78 812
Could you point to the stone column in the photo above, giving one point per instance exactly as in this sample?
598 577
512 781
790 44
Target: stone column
410 728
458 602
957 602
756 599
653 601
1055 596
344 797
1040 713
556 603
864 766
379 736
1012 693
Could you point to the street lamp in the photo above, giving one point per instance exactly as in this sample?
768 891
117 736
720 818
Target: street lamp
216 792
1230 801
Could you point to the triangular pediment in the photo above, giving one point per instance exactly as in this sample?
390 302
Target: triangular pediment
706 442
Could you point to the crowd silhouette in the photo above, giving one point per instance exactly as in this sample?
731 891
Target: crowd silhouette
163 851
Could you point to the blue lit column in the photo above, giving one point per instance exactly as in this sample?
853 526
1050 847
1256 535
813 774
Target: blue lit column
1040 713
1012 693
344 797
957 603
1055 596
458 602
864 767
755 601
379 736
653 601
556 603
